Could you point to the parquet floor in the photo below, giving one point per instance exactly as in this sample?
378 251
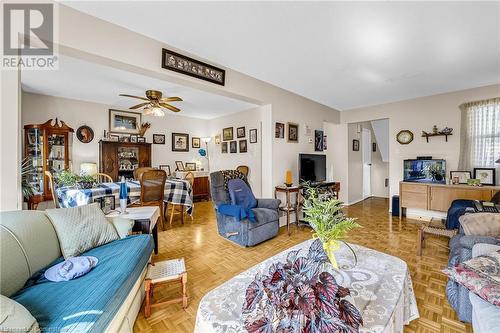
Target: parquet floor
211 260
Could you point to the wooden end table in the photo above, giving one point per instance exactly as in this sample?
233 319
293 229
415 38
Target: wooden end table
165 272
145 220
289 207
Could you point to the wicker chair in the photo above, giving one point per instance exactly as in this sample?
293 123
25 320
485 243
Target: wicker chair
152 190
179 209
52 188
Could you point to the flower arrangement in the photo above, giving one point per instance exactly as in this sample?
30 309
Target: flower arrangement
328 221
68 178
298 296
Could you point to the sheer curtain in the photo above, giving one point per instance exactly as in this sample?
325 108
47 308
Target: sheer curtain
480 134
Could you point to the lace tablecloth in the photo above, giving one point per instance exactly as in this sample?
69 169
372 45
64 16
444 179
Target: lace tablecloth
380 285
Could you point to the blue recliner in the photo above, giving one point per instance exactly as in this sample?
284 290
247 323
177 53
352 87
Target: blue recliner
244 232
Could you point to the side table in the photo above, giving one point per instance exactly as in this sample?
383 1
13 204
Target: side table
145 220
289 207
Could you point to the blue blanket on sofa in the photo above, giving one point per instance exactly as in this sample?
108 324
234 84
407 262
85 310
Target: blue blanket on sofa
88 303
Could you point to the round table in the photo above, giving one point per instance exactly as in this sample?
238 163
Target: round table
380 286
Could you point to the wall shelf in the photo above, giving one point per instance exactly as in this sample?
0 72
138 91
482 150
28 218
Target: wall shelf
427 135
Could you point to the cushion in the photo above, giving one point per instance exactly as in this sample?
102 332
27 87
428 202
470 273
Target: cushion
122 226
89 303
81 228
231 174
481 224
71 269
15 318
480 275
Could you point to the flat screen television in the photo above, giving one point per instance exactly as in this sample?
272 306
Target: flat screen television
424 171
312 168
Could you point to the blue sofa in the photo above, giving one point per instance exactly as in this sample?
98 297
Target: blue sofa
107 299
244 232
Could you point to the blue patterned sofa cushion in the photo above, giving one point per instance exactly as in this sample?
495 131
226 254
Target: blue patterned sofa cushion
88 303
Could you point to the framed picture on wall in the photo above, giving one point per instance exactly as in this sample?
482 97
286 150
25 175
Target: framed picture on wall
293 132
486 176
233 147
124 122
374 146
159 139
240 132
318 140
279 131
355 145
195 142
243 146
325 146
180 142
227 134
223 147
253 135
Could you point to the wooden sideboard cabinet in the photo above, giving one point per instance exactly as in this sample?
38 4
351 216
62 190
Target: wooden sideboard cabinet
122 158
201 184
438 197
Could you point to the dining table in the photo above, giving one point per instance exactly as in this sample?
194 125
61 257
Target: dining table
177 191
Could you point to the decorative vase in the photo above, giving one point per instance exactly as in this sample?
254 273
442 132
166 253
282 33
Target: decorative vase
330 247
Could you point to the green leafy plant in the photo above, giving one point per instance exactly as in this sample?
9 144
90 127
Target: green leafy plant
327 219
27 169
67 178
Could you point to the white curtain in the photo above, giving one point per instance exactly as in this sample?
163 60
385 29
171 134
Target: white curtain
480 134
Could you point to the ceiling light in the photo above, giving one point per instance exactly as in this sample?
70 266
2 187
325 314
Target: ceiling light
153 111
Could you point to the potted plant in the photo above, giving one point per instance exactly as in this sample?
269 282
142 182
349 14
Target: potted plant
69 179
27 169
329 222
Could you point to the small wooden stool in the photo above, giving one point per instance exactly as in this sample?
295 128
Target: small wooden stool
165 272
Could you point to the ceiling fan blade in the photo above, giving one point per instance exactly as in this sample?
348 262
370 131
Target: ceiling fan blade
139 105
143 98
170 107
171 99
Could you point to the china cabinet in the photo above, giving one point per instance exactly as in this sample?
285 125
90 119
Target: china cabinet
122 158
48 147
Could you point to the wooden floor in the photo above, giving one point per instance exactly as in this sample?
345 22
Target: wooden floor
211 260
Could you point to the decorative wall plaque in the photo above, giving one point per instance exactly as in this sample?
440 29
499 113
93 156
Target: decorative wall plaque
185 65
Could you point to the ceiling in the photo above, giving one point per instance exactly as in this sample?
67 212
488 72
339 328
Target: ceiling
91 82
341 54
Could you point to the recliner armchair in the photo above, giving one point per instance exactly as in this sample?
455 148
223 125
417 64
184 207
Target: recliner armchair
244 232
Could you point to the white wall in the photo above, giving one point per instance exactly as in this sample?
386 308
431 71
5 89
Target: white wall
250 119
419 115
89 38
337 157
10 141
39 108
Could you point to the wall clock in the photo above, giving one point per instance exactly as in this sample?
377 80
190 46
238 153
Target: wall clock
404 137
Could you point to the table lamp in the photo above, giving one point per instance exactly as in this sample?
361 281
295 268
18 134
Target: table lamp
88 169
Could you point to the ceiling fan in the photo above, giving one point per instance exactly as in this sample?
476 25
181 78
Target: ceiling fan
155 103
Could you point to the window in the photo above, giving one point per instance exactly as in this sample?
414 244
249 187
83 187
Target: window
480 140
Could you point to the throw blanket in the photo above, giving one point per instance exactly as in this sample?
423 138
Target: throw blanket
238 212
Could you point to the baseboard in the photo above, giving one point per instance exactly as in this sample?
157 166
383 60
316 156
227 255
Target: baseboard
355 202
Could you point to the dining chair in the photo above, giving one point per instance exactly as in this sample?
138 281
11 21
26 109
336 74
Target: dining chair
243 169
100 176
179 209
152 191
139 171
52 188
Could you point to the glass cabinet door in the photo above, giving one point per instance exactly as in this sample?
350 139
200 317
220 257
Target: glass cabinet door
34 153
56 159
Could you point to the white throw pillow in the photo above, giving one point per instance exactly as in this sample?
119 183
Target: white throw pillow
16 318
81 228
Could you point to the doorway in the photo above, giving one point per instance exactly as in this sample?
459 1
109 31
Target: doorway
366 145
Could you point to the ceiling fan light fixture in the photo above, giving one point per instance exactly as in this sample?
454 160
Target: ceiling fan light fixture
155 111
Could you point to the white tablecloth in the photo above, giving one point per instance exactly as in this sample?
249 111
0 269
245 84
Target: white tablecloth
380 285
